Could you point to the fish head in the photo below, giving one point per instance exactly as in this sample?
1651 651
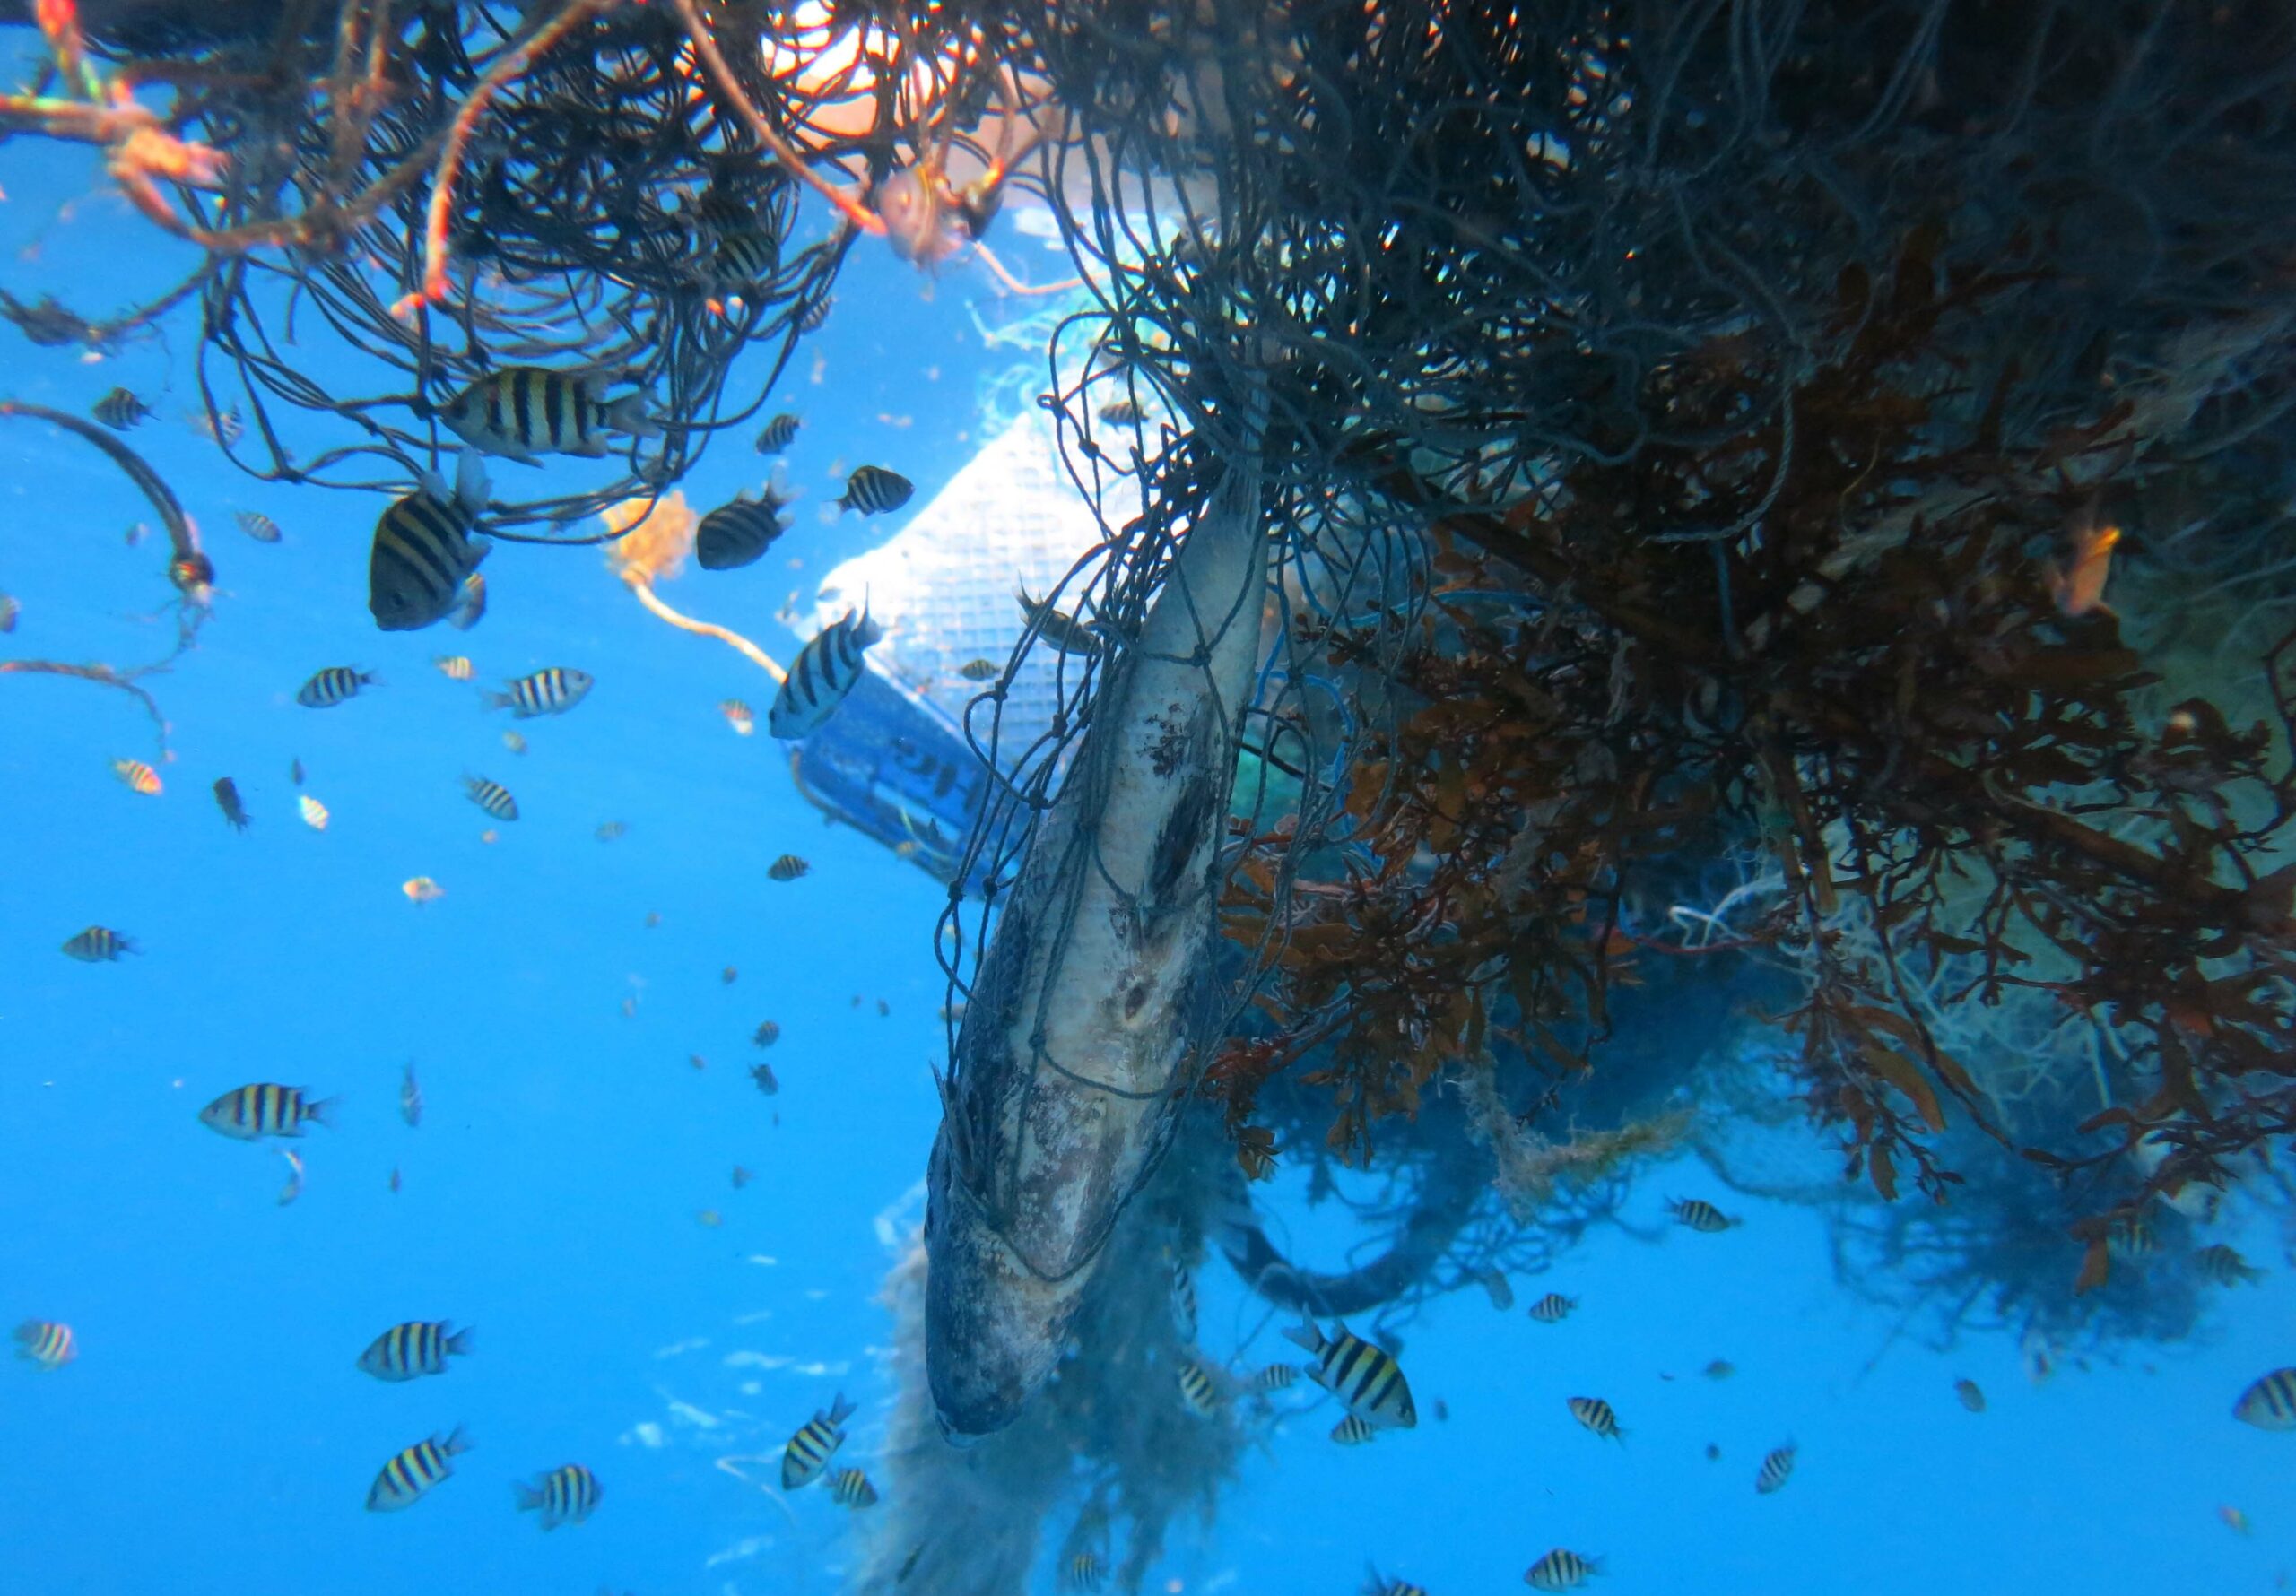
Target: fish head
994 1328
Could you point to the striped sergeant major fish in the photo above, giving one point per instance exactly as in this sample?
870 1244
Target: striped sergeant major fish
492 796
827 668
523 411
335 685
1699 1215
1275 1376
567 1495
1378 1585
138 776
46 1343
738 534
418 1347
119 410
424 551
1776 1469
98 944
1553 1308
1595 1414
1084 1571
814 1443
873 491
552 691
744 258
413 1471
850 1487
1196 1389
247 1113
1561 1569
2270 1403
779 433
1032 1164
1184 1312
1365 1377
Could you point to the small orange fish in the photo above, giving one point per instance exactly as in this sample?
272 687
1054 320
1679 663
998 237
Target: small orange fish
422 890
2078 587
710 1217
139 776
738 716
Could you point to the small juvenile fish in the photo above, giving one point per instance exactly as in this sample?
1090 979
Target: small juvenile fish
314 812
744 258
259 526
2078 587
979 670
709 1219
766 1034
2224 1266
1595 1414
1776 1469
827 666
1083 1573
1364 1377
9 610
294 1187
1275 1376
333 686
417 1348
850 1487
653 918
552 691
815 314
1495 1286
393 1180
409 1097
739 531
1184 1301
1699 1215
1196 1389
413 1471
1122 413
119 410
514 743
1353 1430
136 533
814 1443
2234 1520
523 411
1377 1585
223 427
762 1073
248 1113
729 976
1553 1308
97 945
697 1061
491 796
779 433
611 830
738 716
1721 1369
884 1010
422 889
788 868
1560 1570
567 1495
1971 1397
45 1342
873 491
2270 1403
469 603
1063 631
139 776
454 667
226 799
1713 1452
2131 1239
295 771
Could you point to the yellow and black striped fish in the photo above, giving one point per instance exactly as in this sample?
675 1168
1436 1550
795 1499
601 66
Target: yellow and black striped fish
1121 412
779 433
1378 1585
1359 1375
139 776
827 669
850 1487
492 797
814 1443
766 1034
425 557
521 412
1059 628
454 667
1184 1300
1700 1215
1084 1571
1560 1570
2223 1265
1553 1308
259 526
552 691
2270 1403
788 868
1595 1414
249 1112
226 799
98 944
1196 1389
418 1347
45 1342
1353 1430
1776 1469
1275 1376
120 410
979 670
225 427
567 1495
738 534
743 257
333 686
413 1471
873 491
815 313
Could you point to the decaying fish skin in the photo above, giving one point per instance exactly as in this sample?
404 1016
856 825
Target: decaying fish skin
1094 968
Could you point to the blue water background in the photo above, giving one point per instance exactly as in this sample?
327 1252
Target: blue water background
213 1436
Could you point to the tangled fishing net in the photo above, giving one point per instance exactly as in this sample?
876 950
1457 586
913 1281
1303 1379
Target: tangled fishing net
1745 500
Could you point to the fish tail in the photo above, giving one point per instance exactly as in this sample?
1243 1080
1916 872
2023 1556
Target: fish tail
528 1496
628 414
498 700
459 1343
455 1444
471 486
323 1111
1305 1334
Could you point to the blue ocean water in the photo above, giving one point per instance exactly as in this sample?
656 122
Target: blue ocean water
213 1434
